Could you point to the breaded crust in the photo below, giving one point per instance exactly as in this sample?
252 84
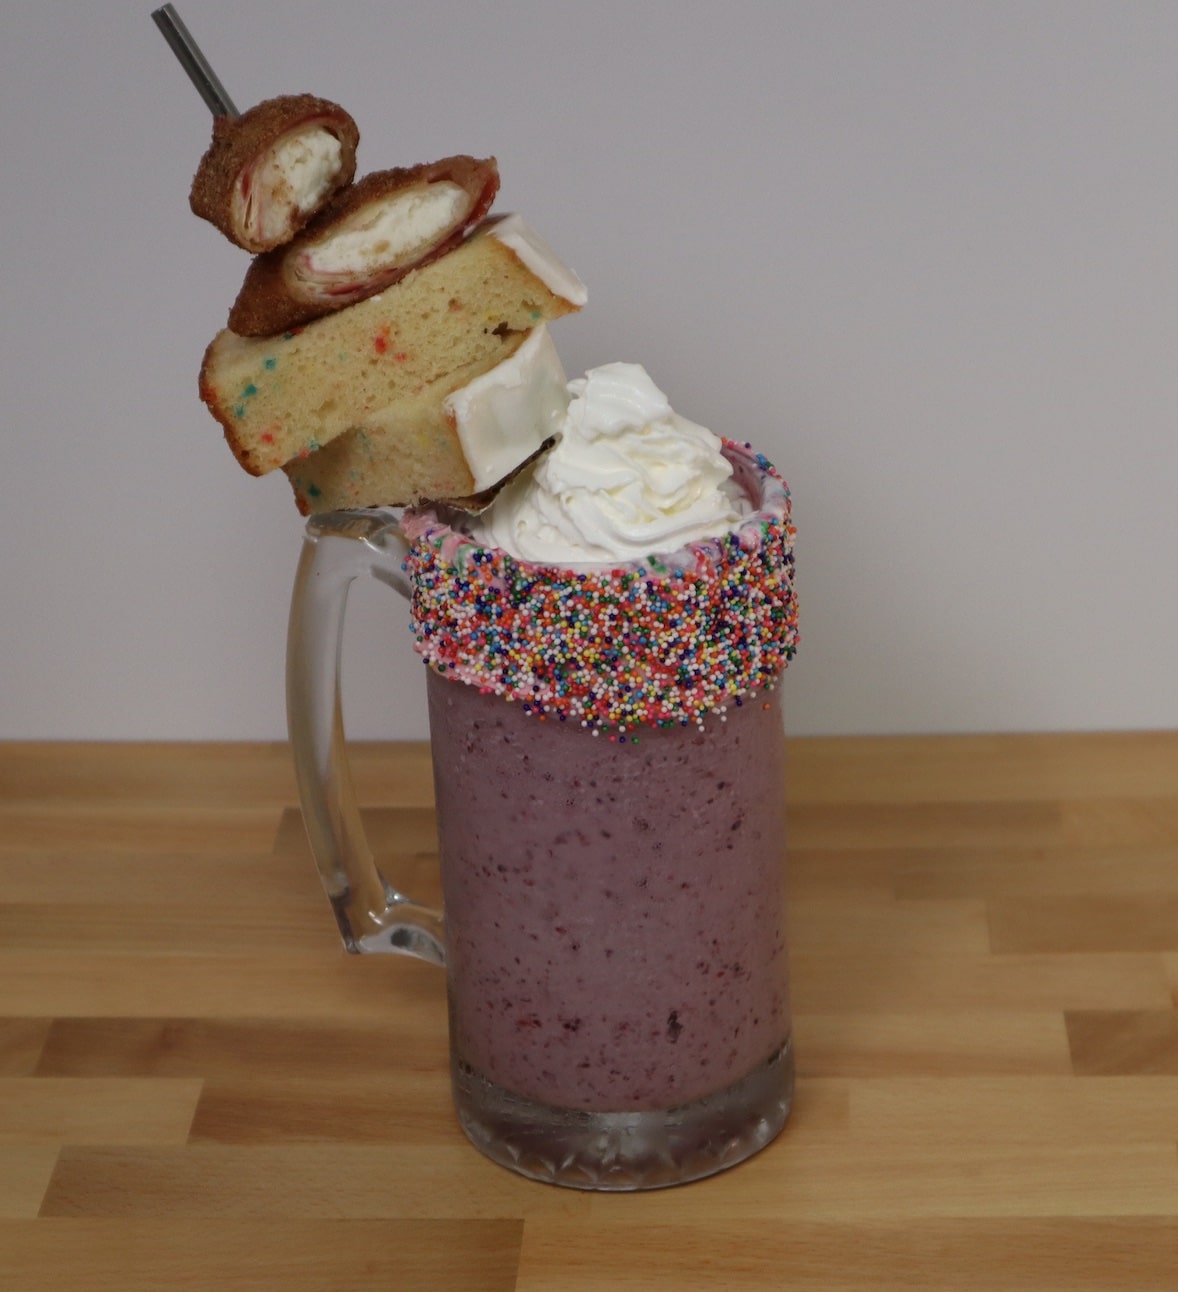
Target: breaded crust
275 295
238 142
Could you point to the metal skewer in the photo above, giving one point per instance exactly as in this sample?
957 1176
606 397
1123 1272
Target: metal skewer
194 62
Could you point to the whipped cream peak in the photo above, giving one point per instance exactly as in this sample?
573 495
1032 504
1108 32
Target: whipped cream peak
627 478
615 397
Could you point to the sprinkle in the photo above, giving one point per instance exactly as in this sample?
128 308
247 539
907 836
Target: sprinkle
248 391
665 642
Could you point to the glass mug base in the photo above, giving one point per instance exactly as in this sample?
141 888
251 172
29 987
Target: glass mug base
625 1151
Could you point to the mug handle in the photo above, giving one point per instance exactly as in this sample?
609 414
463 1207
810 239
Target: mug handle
373 916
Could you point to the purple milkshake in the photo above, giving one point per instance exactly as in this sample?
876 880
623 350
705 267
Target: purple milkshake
613 913
608 759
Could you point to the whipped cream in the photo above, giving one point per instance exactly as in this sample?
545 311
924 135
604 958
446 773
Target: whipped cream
627 478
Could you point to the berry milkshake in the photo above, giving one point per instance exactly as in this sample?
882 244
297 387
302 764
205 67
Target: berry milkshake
637 958
608 758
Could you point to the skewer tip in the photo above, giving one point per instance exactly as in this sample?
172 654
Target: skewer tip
199 71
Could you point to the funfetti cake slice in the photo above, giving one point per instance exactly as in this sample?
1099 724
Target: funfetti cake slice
458 438
282 397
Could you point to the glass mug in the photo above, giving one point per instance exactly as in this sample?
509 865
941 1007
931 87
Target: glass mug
613 932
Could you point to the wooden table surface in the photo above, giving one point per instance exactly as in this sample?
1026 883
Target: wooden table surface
198 1088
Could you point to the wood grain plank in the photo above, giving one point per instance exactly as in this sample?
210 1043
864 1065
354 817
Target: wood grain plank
943 1044
975 1112
846 922
1090 923
1123 1042
939 824
984 768
400 1106
407 831
244 1256
869 983
21 1042
25 1173
1170 964
281 986
102 772
1137 820
96 1110
94 877
978 1255
867 872
313 1181
1023 824
412 1039
223 927
1115 869
390 773
147 828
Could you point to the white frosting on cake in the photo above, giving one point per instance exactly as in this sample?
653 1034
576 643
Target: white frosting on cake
504 416
535 253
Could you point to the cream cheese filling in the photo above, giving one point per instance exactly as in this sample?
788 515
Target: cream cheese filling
288 180
404 224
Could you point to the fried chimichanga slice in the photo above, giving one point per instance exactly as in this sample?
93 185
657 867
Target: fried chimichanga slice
369 237
267 172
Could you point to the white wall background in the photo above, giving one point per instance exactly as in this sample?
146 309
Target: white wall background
924 253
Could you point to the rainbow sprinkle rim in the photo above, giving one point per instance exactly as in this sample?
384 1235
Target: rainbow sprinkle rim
663 642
